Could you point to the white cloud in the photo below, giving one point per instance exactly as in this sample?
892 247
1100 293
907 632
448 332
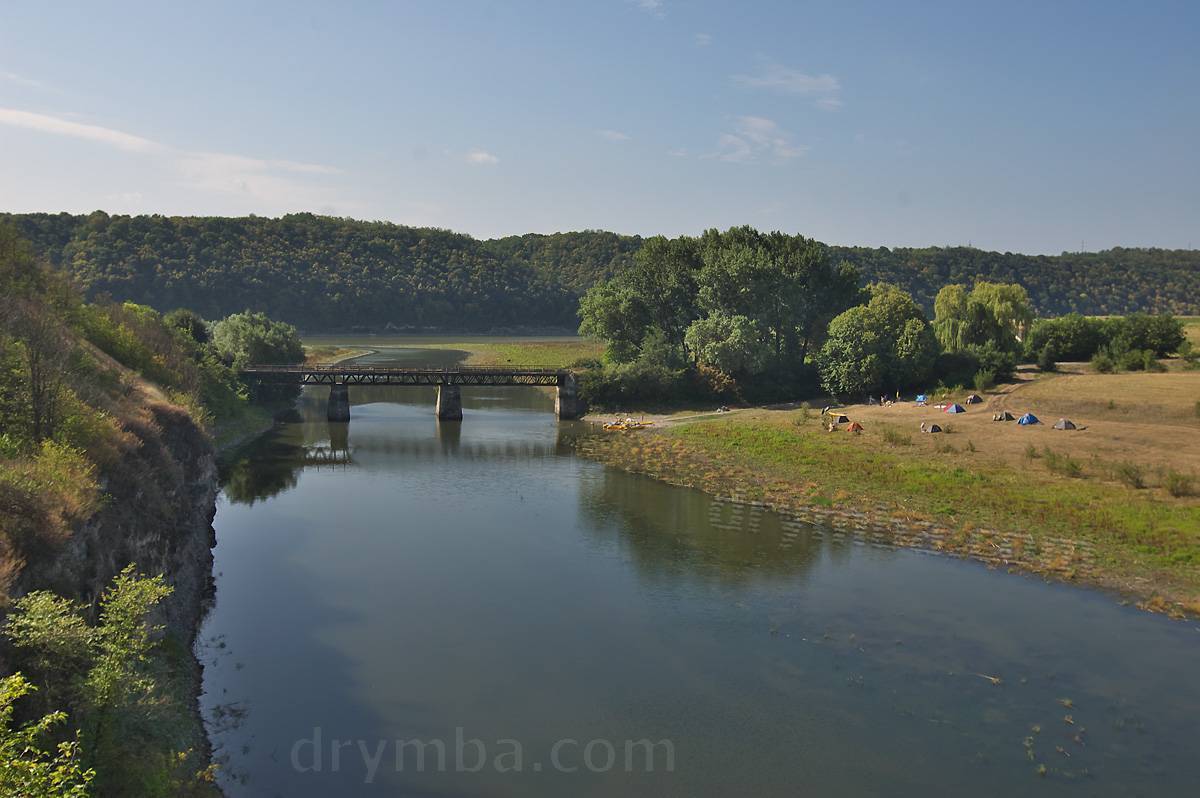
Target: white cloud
703 39
481 158
613 135
271 182
20 80
653 7
754 138
64 127
825 88
263 180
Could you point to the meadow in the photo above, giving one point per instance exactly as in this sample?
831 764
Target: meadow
1114 503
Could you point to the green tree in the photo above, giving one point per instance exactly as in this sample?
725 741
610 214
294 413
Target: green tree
246 338
617 315
731 344
189 323
29 766
885 344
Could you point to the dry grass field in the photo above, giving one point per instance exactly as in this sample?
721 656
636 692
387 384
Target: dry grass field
1147 419
1115 503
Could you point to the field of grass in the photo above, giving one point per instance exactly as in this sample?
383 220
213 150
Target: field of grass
549 352
1096 505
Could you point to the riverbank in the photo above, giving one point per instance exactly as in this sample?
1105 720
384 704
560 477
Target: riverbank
1093 506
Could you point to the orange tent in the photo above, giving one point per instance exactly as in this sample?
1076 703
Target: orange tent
855 427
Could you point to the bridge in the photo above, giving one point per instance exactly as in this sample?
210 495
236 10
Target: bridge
567 404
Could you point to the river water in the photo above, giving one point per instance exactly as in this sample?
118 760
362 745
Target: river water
408 608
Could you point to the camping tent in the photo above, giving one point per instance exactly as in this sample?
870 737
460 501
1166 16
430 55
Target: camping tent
974 399
922 399
1027 419
934 428
956 408
1004 415
1065 423
841 419
855 427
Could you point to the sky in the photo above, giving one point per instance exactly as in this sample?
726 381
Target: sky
1016 126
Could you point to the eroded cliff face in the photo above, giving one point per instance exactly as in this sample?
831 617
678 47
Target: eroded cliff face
160 498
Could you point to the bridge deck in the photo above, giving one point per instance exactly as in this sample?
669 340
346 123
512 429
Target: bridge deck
352 374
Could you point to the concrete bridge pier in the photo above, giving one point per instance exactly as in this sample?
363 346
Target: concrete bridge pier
567 403
339 402
449 403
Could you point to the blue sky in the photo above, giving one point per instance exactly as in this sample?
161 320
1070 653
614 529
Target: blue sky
1022 126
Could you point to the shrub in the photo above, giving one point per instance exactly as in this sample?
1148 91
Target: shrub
1103 363
1179 484
1031 452
1131 474
984 380
1150 361
895 438
1062 464
1046 360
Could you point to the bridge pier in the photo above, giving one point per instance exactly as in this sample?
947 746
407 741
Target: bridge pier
449 403
339 402
567 402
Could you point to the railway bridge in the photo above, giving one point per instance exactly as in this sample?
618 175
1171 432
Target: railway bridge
567 404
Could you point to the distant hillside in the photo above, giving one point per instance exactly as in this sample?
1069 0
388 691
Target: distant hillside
329 273
315 272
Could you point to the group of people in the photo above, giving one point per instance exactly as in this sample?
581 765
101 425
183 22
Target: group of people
883 401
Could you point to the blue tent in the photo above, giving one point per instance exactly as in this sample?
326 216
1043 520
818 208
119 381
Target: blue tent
1027 419
956 408
921 399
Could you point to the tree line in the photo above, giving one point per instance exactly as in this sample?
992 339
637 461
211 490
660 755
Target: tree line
323 273
763 316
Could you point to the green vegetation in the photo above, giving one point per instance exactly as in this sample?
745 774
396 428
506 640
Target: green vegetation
314 272
326 273
127 695
748 315
1060 519
721 313
886 343
28 766
1115 343
88 395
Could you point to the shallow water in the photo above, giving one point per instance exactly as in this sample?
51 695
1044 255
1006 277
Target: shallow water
477 585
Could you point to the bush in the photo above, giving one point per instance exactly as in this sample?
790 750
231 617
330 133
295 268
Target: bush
1150 361
895 438
984 380
1179 484
1131 474
956 368
1062 464
1001 364
1046 360
1103 363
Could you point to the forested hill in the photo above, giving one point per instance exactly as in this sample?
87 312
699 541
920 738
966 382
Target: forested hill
330 273
315 272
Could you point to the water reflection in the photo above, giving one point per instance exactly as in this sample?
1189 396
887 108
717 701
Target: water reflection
685 533
477 575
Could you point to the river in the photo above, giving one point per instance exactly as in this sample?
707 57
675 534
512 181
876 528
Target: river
530 623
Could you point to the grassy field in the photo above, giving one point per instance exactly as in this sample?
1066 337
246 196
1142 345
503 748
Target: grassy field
1097 505
550 352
